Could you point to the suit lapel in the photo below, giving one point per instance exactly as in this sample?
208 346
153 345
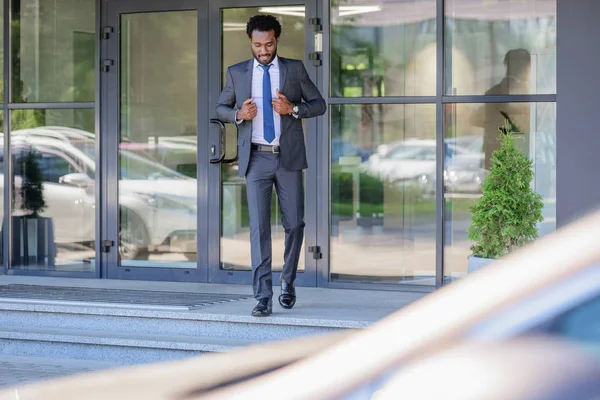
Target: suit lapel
282 74
282 79
247 85
248 80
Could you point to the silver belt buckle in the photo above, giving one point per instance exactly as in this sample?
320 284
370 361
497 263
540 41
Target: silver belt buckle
273 150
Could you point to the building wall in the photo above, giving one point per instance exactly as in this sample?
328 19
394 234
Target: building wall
383 71
578 132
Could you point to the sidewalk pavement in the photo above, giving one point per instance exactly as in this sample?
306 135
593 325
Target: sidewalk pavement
18 370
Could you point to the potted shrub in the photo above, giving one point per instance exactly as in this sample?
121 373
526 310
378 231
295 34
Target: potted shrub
506 216
33 235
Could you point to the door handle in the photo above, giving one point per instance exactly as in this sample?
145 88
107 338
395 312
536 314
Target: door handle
219 155
214 158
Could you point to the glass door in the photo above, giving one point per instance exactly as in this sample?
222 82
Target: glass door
229 237
152 74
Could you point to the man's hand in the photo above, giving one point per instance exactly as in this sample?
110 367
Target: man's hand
248 111
282 105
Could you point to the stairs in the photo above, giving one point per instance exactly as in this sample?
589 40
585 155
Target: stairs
125 334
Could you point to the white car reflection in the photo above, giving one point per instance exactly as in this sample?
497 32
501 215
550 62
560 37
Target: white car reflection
157 205
402 161
414 161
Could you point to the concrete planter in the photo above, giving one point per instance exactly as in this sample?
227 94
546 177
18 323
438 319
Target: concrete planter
33 241
476 263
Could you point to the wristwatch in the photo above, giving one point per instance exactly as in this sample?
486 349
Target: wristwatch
295 109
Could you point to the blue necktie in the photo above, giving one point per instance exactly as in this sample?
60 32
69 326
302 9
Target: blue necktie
268 120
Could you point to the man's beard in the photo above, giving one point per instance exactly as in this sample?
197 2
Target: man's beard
273 55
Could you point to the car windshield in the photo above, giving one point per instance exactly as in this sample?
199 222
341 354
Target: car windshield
411 152
136 167
86 147
133 166
404 152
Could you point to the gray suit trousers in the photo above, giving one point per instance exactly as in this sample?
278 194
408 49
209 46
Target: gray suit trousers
264 171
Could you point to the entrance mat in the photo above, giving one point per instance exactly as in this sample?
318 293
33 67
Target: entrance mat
116 296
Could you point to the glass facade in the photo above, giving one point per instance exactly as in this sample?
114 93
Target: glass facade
385 156
500 47
383 48
51 164
415 98
383 224
53 51
472 128
53 157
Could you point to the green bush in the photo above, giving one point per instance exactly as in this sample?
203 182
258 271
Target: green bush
371 188
506 216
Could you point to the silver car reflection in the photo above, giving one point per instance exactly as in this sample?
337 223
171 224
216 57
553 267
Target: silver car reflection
156 204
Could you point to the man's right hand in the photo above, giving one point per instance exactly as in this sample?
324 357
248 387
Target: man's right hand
248 111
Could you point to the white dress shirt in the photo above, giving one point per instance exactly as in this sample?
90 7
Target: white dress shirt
257 95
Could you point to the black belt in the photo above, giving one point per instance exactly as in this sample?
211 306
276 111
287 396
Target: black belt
265 148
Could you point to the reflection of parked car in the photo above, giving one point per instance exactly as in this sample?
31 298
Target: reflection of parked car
71 135
156 203
409 160
456 180
178 156
414 161
403 161
342 148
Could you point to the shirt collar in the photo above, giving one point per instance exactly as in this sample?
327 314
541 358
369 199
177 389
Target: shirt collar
274 63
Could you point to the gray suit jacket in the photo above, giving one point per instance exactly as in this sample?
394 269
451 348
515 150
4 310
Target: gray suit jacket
296 85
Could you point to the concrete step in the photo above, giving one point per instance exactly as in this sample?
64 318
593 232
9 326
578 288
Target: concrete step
138 334
165 321
115 347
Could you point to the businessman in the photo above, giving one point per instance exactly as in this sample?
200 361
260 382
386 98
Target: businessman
267 97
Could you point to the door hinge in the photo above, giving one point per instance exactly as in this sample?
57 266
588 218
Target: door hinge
106 32
106 245
316 23
316 59
106 64
318 28
316 250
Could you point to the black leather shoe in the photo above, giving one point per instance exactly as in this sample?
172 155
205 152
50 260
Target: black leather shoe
287 299
263 308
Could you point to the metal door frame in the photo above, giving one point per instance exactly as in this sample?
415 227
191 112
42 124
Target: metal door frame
215 273
110 115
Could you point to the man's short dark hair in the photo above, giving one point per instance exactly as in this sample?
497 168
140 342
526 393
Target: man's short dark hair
263 23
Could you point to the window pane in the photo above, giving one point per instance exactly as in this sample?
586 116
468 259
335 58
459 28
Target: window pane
383 48
54 161
472 129
53 54
158 190
383 224
500 47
